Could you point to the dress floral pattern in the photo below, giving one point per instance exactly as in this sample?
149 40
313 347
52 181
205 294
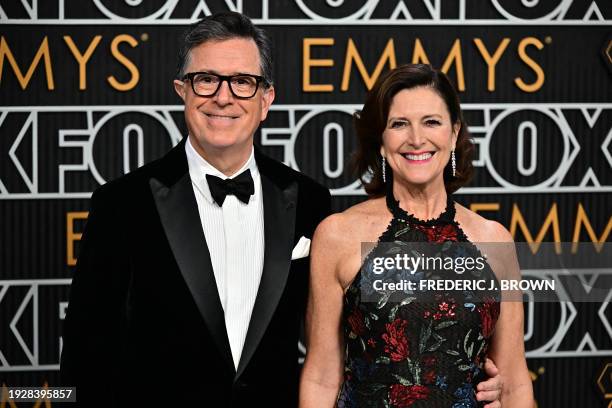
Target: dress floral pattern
411 352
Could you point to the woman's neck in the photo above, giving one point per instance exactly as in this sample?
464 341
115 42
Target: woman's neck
424 202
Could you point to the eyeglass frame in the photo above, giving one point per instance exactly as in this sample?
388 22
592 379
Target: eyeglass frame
226 78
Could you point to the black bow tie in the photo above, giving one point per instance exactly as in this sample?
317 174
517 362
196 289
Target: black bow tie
241 186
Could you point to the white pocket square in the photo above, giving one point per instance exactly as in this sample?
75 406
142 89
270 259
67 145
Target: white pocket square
302 249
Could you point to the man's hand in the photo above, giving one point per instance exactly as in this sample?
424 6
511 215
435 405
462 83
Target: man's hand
491 389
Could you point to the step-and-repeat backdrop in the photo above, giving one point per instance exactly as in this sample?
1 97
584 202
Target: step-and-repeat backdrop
86 95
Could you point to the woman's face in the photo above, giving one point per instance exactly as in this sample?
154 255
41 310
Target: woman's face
418 136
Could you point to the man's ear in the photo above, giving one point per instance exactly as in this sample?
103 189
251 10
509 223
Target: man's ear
179 88
267 99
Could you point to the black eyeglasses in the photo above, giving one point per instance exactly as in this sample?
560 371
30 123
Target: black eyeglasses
243 86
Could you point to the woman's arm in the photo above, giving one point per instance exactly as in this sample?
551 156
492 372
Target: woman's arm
508 344
323 368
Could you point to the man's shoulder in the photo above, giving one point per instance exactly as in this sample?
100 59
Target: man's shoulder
281 172
134 182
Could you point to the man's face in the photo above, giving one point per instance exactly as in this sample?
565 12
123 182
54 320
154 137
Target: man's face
223 122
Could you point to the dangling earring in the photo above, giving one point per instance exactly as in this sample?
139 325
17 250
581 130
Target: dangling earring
384 174
453 162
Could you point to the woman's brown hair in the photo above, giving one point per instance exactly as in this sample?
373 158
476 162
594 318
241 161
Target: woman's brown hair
371 121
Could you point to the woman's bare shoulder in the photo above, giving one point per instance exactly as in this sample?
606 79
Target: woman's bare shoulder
367 208
338 239
480 229
353 224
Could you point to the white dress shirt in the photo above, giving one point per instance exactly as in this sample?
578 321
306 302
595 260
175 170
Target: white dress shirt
235 238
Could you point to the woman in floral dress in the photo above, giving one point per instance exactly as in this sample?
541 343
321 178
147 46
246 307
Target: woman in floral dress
377 347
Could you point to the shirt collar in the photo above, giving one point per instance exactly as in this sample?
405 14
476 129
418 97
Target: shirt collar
199 168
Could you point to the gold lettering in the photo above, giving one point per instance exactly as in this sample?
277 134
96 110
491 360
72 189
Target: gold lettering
72 236
491 60
418 54
532 64
126 63
352 55
309 62
82 58
583 219
43 51
552 219
455 55
476 207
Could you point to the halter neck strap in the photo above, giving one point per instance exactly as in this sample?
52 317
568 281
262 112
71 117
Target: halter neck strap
446 217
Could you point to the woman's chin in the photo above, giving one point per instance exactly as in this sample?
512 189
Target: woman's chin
416 181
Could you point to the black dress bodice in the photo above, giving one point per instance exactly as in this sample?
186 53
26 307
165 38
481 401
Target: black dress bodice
417 348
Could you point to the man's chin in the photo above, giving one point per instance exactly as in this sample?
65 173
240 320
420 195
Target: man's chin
221 143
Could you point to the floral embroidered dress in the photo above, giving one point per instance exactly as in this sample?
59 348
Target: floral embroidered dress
415 348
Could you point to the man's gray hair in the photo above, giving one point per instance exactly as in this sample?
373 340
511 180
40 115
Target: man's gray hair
225 26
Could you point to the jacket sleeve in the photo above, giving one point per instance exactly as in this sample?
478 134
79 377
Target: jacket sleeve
323 210
326 209
96 317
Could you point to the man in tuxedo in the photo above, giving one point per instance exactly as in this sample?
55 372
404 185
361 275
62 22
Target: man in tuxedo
192 277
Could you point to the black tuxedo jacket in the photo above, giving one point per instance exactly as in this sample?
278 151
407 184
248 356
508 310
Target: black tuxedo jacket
145 322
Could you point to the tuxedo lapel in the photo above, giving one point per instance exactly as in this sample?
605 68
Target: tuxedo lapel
279 200
178 211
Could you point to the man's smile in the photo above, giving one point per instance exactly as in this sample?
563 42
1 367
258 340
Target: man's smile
220 117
